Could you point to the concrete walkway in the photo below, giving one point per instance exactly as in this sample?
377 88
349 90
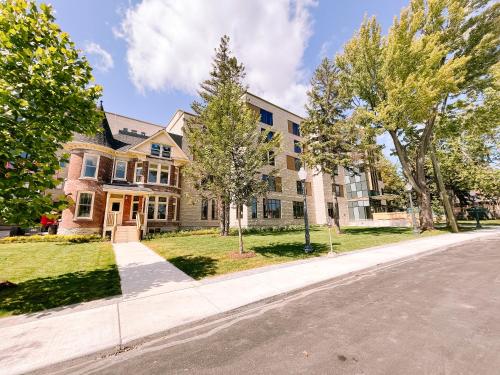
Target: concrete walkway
159 303
144 273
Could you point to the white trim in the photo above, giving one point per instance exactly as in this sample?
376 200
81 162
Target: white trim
116 168
76 217
82 171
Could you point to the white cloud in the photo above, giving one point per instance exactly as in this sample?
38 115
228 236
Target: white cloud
171 44
103 61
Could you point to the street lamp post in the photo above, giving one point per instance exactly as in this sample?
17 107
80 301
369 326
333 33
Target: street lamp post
302 177
473 194
409 188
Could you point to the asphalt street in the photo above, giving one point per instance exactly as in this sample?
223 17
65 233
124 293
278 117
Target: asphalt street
438 314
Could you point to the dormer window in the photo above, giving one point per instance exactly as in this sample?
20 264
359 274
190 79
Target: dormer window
161 150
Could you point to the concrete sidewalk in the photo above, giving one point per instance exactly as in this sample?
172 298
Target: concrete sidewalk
143 272
157 304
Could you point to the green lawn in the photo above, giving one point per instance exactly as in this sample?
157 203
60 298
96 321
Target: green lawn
53 274
208 255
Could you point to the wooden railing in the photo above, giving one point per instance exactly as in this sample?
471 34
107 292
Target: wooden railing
139 222
112 221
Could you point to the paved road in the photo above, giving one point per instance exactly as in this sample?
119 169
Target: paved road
439 314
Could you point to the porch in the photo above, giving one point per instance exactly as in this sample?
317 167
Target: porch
131 212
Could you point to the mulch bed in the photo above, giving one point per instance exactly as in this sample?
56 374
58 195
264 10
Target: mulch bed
237 255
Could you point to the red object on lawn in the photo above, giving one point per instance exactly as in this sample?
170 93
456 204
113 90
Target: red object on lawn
46 221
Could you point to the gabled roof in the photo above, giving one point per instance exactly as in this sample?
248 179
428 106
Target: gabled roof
176 139
122 133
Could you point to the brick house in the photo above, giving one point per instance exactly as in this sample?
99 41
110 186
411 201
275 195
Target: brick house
128 178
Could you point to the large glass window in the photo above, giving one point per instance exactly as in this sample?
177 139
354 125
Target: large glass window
298 210
135 207
161 213
254 208
90 163
355 184
164 174
272 208
359 210
296 147
166 151
273 183
300 188
153 173
295 129
151 207
84 207
138 172
121 170
155 149
215 212
204 209
266 117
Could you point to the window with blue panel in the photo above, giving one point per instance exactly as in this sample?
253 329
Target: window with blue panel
266 117
295 129
296 147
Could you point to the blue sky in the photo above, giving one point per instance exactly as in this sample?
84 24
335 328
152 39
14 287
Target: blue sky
139 87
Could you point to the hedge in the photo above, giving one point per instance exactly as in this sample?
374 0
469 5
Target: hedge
72 238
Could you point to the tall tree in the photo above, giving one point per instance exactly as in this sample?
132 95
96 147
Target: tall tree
329 141
249 149
225 141
435 52
45 96
209 149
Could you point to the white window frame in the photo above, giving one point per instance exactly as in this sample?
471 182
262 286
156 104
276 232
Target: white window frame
156 204
132 206
76 217
135 172
160 167
174 205
82 172
116 168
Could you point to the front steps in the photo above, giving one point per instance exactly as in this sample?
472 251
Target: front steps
126 233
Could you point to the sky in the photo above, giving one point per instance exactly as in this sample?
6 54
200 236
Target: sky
151 55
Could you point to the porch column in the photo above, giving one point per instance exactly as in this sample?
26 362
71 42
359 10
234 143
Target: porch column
146 209
105 214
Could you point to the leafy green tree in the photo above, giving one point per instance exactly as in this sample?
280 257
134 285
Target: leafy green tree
329 141
248 148
209 169
45 96
224 139
435 53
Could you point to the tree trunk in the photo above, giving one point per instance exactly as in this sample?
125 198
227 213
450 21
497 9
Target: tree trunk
416 177
425 208
335 207
222 217
227 216
443 193
240 235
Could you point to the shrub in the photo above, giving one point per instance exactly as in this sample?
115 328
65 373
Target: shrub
73 238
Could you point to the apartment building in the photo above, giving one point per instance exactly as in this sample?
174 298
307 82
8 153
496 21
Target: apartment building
128 180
